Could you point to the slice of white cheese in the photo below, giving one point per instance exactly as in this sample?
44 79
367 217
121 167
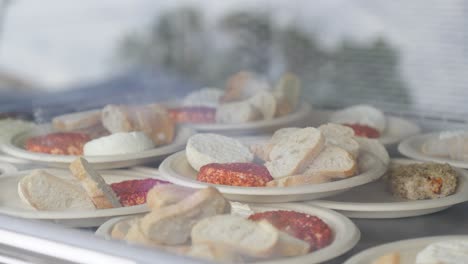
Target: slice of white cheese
445 252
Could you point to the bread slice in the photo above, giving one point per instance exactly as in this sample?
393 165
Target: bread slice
135 235
242 235
266 103
333 162
171 225
237 112
293 153
340 136
375 147
287 93
242 86
167 194
289 246
203 149
391 258
152 119
262 151
44 191
299 180
77 120
208 97
100 193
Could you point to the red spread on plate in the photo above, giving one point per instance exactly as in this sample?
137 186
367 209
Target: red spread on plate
303 226
193 114
62 143
133 192
364 131
235 174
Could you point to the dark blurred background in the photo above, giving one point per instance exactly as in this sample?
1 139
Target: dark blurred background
406 58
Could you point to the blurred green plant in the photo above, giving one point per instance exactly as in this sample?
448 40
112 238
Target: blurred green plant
181 41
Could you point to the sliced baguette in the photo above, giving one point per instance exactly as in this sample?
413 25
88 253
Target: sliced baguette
340 136
266 103
167 194
289 246
293 153
171 225
247 237
243 85
152 119
237 112
287 93
44 191
333 162
100 193
298 180
262 151
203 149
77 120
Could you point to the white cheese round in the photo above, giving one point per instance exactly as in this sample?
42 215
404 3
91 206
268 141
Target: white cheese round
118 143
447 252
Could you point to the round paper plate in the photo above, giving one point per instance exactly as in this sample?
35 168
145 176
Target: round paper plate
176 169
346 234
408 249
412 146
6 168
15 147
256 127
373 200
11 203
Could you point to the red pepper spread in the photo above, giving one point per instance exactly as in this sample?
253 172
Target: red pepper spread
303 226
235 174
62 143
364 131
133 192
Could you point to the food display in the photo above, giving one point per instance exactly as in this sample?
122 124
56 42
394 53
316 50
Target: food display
422 181
292 157
60 143
200 224
246 98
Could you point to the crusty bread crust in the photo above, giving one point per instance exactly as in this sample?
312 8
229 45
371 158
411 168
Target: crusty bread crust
167 194
287 93
171 225
77 120
100 193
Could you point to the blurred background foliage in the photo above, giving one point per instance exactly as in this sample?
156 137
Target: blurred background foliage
183 42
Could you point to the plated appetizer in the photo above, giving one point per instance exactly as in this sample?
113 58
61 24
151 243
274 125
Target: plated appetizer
246 98
292 157
88 190
202 224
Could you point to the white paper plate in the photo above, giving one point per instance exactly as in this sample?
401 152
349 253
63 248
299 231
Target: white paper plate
412 146
397 129
408 249
346 234
257 127
6 168
177 170
11 203
373 200
15 147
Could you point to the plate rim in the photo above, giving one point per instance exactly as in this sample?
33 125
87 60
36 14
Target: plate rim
301 112
349 232
78 214
167 172
364 255
459 197
12 149
407 149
